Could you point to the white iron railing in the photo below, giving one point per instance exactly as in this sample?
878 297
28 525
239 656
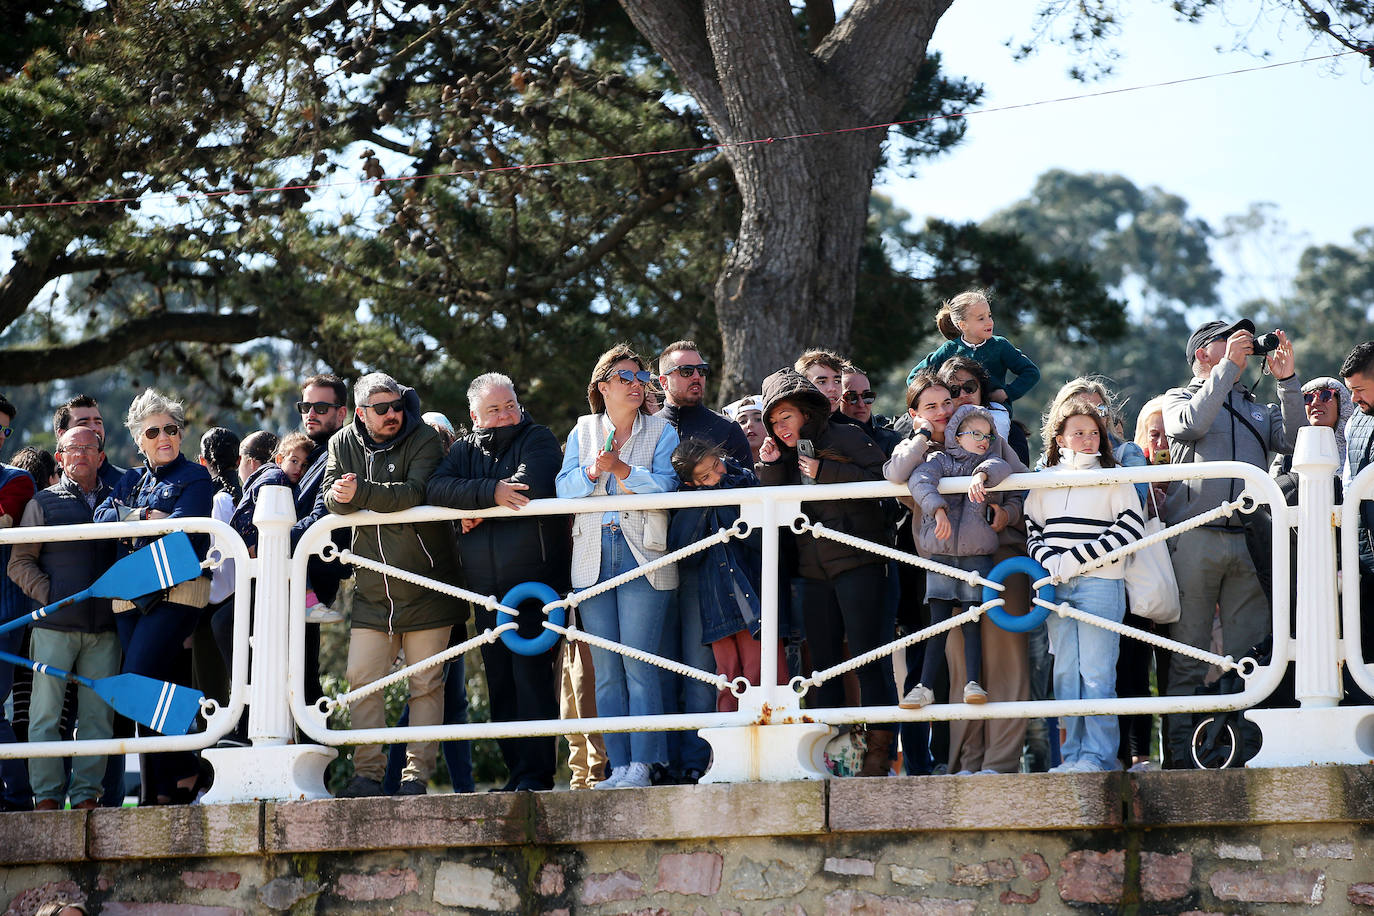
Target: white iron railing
771 736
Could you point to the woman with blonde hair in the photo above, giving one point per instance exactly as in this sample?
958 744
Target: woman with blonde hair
622 448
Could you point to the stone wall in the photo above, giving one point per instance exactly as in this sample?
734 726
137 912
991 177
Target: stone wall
1262 841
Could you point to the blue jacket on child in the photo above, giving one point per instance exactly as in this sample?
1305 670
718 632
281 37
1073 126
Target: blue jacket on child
728 573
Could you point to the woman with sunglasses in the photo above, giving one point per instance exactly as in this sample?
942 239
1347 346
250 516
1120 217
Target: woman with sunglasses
621 448
168 487
969 383
842 597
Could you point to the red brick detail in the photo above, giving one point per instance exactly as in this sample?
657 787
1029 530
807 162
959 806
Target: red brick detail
979 874
27 901
618 885
1033 867
381 885
1092 877
211 880
695 873
551 880
1361 894
1164 877
1009 897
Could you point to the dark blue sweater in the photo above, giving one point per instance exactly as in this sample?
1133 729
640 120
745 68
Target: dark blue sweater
703 423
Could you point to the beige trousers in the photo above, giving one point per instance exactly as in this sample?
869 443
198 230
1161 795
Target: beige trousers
371 654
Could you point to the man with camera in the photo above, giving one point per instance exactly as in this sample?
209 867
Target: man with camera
1216 418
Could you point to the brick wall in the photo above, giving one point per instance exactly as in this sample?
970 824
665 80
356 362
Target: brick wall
1265 841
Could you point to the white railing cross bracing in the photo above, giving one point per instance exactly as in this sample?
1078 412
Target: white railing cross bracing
771 737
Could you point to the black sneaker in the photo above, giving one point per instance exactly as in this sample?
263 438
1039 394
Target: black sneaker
413 787
691 776
660 775
362 787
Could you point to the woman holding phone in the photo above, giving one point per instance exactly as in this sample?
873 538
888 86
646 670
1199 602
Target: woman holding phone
621 448
803 446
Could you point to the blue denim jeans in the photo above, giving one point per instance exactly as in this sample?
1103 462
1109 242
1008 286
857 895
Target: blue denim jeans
633 616
1085 667
682 632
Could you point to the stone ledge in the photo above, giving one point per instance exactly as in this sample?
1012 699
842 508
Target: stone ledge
1280 795
496 819
682 812
42 836
1004 802
175 830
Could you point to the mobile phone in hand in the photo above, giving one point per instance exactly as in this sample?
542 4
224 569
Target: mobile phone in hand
807 450
989 513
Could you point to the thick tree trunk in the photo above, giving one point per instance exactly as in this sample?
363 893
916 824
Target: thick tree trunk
789 281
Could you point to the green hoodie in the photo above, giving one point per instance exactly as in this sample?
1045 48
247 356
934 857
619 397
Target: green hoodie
392 476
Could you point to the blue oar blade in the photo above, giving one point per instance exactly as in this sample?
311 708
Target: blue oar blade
168 561
165 707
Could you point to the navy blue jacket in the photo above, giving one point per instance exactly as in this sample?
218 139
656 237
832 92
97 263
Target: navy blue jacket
703 423
728 574
180 488
269 475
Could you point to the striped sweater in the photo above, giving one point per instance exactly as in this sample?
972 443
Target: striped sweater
1084 522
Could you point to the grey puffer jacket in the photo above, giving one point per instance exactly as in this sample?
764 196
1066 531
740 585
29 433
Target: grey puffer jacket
970 534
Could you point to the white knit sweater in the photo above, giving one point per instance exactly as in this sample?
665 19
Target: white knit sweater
1084 522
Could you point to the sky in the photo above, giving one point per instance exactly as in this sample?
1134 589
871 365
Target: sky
1300 137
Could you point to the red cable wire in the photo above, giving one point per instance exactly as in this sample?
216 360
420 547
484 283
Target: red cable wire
209 195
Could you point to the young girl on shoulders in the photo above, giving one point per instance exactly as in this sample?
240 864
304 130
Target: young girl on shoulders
1067 528
966 322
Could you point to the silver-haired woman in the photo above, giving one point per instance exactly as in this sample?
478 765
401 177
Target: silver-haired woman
169 486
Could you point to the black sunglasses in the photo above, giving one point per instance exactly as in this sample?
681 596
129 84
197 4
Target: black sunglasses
854 397
385 407
319 408
152 432
1322 394
970 387
700 369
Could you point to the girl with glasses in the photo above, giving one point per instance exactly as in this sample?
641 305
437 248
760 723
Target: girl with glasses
621 448
1068 527
955 531
168 487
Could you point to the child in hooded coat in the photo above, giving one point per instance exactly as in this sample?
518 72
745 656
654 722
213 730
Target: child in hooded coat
955 532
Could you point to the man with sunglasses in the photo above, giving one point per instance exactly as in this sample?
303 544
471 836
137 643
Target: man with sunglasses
856 404
383 461
682 375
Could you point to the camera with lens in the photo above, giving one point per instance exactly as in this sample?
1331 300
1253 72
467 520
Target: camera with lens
1265 343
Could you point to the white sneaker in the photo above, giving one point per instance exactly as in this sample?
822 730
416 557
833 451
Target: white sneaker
1065 767
917 697
637 776
975 694
322 613
988 772
613 781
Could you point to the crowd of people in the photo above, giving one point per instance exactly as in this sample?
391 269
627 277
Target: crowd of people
648 430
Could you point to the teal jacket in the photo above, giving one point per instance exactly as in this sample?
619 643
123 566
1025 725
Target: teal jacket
997 355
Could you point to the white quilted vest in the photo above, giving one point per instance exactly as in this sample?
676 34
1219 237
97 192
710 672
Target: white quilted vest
645 531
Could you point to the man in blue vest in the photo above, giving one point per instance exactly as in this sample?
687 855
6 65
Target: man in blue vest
84 410
80 637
